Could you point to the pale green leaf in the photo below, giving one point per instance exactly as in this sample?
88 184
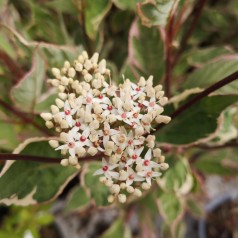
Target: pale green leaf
78 199
212 73
26 182
99 192
198 122
29 88
155 13
94 13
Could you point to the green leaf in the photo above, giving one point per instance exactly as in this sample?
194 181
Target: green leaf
99 192
26 182
117 230
155 13
94 13
8 136
78 199
198 122
45 102
126 5
170 207
146 52
29 88
212 73
221 162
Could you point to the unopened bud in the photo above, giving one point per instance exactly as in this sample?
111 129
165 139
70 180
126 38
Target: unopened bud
64 162
54 143
46 116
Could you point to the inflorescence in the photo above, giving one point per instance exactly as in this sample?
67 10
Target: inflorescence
94 116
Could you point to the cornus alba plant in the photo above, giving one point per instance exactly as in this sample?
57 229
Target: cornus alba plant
93 116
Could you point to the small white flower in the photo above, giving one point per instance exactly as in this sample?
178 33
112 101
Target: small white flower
68 113
148 175
134 155
72 143
147 163
106 170
133 177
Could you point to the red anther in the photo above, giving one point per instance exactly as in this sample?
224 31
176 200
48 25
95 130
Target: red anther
140 105
134 156
123 115
82 138
109 108
138 89
77 123
100 96
131 176
105 168
146 162
71 144
67 112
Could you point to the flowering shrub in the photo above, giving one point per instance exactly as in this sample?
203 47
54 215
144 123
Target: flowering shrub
111 123
92 115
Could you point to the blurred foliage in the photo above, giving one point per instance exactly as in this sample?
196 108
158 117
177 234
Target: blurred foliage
137 38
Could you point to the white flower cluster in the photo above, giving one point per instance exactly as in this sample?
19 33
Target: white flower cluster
94 116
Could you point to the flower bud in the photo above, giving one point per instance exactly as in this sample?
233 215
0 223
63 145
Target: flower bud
103 179
46 116
130 189
49 124
54 143
139 131
137 192
73 160
115 188
163 101
164 166
63 96
65 81
123 175
80 151
122 185
145 186
110 198
122 198
157 152
163 119
64 162
94 125
92 151
79 67
88 64
64 124
71 72
61 88
56 72
59 103
102 66
94 58
141 82
161 159
54 109
109 183
88 77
